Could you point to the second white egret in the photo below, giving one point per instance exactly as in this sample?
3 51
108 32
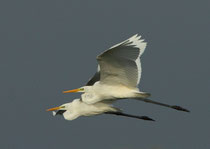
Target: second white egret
77 108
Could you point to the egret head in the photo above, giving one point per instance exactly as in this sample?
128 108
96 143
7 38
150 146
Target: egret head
66 110
81 89
63 107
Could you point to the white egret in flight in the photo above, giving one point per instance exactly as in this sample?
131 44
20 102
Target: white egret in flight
77 108
118 75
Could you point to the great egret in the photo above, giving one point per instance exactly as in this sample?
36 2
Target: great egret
118 75
77 108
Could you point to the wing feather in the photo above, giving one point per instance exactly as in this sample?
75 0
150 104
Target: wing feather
121 63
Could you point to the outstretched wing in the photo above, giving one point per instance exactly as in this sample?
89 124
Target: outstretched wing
121 63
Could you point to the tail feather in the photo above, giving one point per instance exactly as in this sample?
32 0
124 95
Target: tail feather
143 95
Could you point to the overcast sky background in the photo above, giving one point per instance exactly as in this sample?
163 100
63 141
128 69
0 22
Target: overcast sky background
47 46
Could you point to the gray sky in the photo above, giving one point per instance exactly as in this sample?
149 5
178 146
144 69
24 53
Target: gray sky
47 46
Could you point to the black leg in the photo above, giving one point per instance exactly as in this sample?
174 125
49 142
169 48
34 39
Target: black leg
163 104
129 115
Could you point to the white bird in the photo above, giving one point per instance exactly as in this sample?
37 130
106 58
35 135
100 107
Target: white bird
77 108
118 75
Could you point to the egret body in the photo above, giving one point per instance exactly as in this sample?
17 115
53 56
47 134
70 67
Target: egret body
78 108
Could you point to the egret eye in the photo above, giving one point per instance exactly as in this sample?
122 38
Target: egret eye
82 89
62 107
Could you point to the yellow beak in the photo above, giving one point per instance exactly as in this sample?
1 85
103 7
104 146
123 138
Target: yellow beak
72 91
53 109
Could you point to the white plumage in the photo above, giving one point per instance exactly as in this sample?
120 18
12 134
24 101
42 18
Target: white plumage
78 108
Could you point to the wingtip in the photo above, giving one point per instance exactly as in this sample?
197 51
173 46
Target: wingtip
138 42
135 36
